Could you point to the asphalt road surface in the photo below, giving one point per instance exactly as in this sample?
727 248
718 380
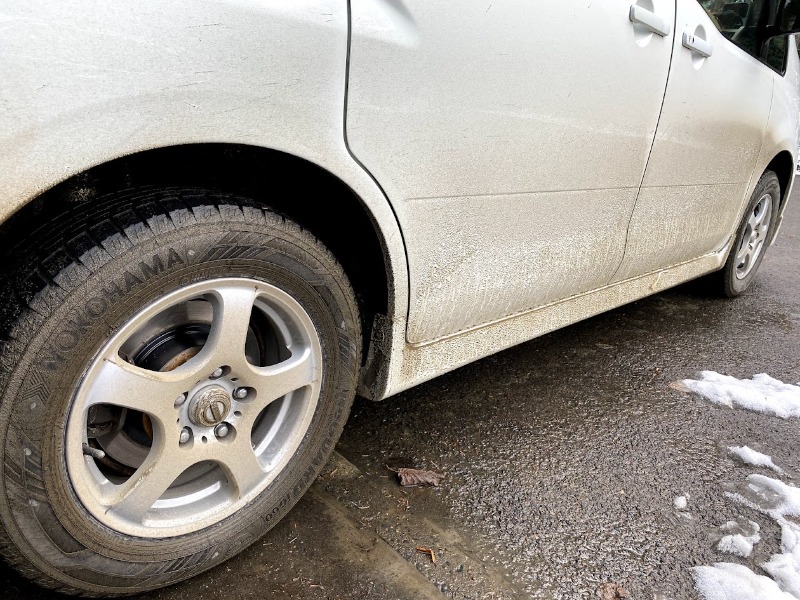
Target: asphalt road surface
562 459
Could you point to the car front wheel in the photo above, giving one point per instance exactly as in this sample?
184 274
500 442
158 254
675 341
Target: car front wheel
170 388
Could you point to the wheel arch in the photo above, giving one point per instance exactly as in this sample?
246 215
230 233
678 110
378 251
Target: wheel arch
783 166
305 192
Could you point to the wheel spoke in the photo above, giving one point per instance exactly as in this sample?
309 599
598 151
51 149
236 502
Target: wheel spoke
754 236
292 374
132 499
759 218
242 466
744 251
233 306
152 392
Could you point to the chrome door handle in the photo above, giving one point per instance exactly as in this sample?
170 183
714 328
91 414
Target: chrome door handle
650 20
697 44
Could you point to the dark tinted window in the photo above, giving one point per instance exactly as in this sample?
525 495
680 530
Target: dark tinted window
739 22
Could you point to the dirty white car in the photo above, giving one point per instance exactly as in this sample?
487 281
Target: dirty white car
222 219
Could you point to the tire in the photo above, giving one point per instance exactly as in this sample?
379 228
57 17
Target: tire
752 238
132 383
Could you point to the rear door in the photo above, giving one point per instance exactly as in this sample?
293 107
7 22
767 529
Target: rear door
511 138
710 132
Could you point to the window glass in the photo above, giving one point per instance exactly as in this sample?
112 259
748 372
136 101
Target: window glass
739 20
776 53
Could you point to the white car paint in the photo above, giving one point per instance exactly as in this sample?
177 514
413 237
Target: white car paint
85 82
701 167
511 143
507 146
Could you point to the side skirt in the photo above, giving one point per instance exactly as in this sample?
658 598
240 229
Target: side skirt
411 364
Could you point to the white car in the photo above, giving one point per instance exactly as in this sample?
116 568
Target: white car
222 219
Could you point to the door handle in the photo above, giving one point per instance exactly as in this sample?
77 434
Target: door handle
650 20
697 44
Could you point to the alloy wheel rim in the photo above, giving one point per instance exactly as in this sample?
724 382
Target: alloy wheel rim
210 391
755 235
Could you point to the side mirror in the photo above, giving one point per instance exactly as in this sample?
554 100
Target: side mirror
787 20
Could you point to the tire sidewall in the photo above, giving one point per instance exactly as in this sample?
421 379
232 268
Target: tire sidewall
74 322
732 285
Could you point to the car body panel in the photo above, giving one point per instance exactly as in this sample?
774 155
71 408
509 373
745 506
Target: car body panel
783 130
423 362
106 80
103 81
709 137
511 140
86 82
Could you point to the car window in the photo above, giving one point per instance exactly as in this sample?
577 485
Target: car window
738 20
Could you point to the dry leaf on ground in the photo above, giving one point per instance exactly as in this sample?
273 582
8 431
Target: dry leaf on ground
428 551
612 591
411 477
680 386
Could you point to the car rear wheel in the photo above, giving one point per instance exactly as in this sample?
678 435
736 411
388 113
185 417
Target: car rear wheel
169 391
752 238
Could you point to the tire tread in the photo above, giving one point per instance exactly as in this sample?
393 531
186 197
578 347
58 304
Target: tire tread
60 256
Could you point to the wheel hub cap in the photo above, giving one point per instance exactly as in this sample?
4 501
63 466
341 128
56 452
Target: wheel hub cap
210 406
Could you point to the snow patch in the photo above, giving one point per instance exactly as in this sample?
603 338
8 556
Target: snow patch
737 544
752 457
728 581
785 567
680 503
778 500
739 539
769 496
761 394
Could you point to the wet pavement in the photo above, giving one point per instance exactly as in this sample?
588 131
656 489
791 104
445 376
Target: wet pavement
563 457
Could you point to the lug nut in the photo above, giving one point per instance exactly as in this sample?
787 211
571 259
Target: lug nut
221 430
217 373
186 435
180 400
240 393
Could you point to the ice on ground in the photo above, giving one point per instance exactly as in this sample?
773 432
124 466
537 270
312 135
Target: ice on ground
761 394
785 571
785 567
770 496
739 539
778 500
680 503
729 581
752 457
738 545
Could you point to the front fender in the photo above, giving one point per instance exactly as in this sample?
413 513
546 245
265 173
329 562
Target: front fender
85 82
